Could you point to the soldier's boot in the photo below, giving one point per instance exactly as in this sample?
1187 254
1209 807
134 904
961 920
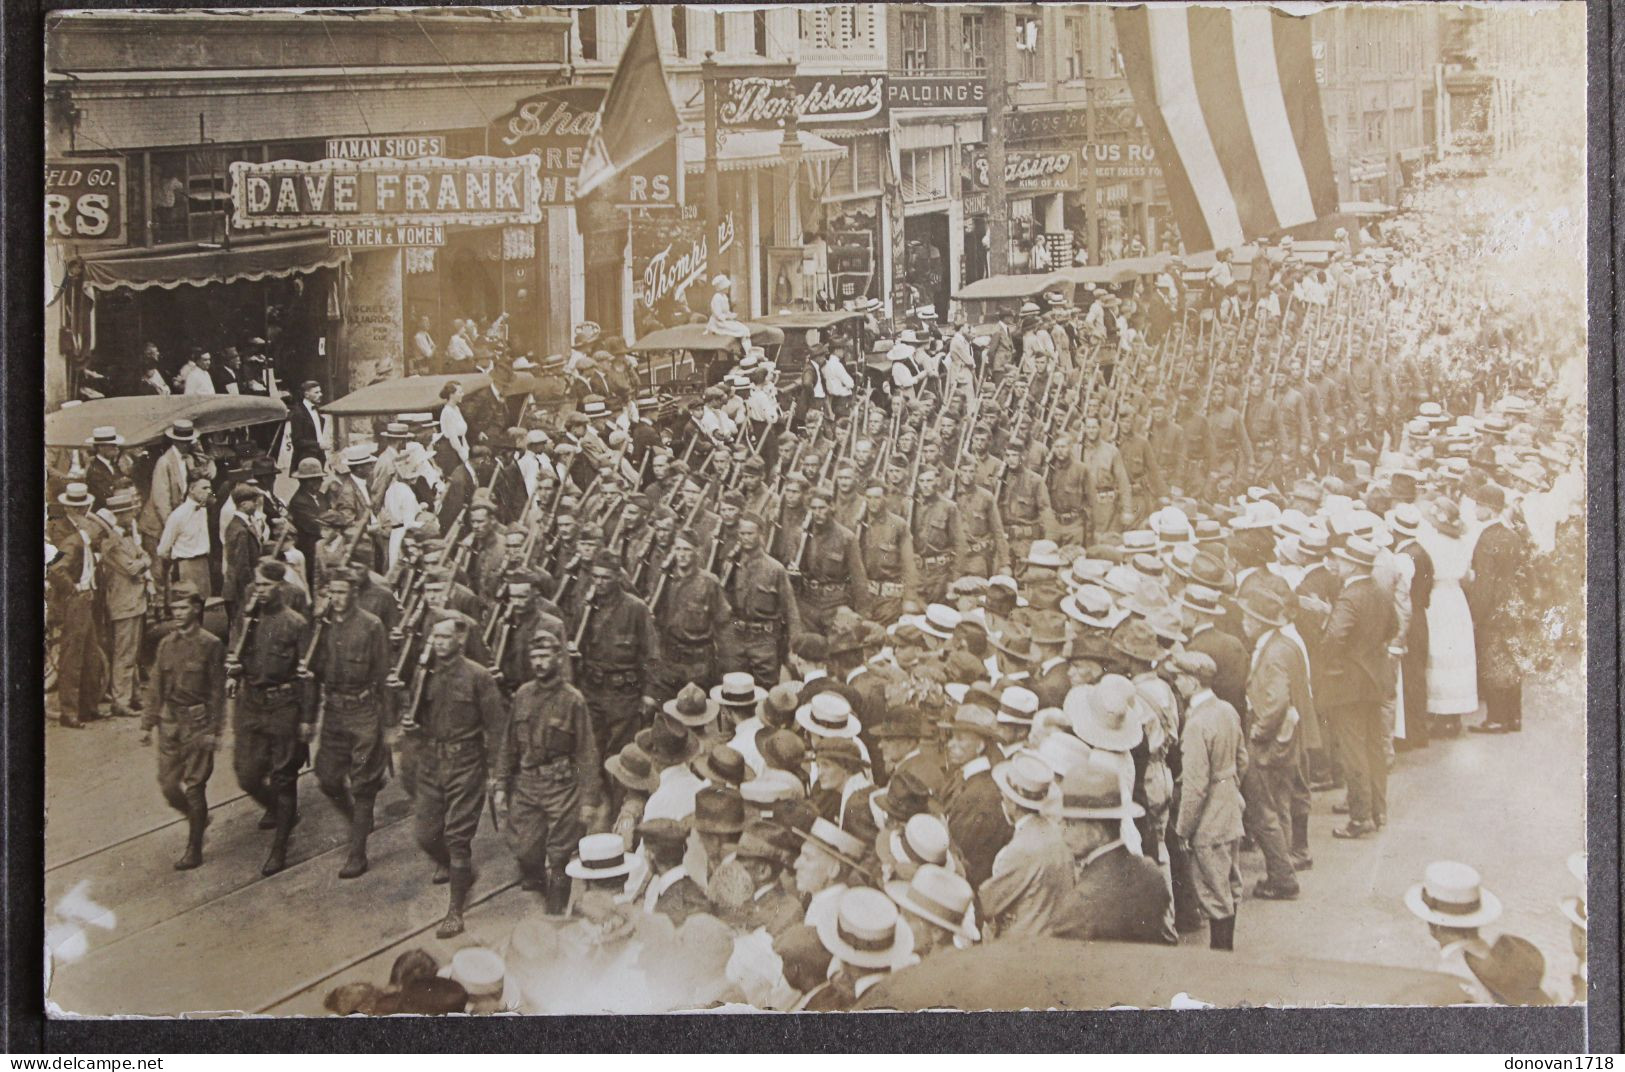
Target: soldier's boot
1301 860
286 816
462 881
197 818
556 899
355 865
1221 933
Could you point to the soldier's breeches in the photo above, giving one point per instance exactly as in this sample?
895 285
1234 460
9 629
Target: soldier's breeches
184 765
451 794
352 753
545 818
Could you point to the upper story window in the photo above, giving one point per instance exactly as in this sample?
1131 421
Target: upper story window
838 27
916 41
1026 49
972 52
587 31
759 32
1077 53
679 30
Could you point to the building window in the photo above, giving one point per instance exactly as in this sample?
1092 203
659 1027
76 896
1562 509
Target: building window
1077 56
1376 129
1026 50
972 55
759 32
916 50
923 174
859 171
720 33
679 30
587 27
838 27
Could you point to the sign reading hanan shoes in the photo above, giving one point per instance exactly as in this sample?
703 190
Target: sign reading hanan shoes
754 102
474 191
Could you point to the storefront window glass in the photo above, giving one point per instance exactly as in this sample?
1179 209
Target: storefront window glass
924 174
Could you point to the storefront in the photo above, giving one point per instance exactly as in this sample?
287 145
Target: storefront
1036 182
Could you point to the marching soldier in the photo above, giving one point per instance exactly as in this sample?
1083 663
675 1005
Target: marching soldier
1071 493
1232 452
186 701
350 667
460 722
1167 446
546 770
617 645
1263 427
1296 429
691 615
849 503
1197 437
526 609
830 565
1024 501
1113 502
939 538
275 721
1140 462
792 519
764 606
887 548
986 551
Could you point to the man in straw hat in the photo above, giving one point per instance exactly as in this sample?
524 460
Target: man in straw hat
868 939
972 798
1032 873
547 767
1119 895
186 702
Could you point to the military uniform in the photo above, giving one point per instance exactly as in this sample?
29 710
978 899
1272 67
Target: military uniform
1263 427
1112 494
1144 475
986 550
186 701
617 649
549 758
1071 491
351 664
939 541
690 618
271 710
832 575
765 611
893 576
1028 515
1197 465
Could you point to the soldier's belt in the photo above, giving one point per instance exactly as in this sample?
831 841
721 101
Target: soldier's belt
815 585
1023 527
452 746
977 546
273 695
886 589
537 768
189 712
689 647
936 561
1069 516
771 626
349 699
611 679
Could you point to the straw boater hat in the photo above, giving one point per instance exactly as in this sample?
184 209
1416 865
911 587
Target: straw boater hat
1103 715
866 931
182 432
360 454
939 620
600 856
738 689
1027 782
1451 895
1017 706
831 840
974 719
828 714
1045 554
940 896
691 707
1093 790
1202 600
105 436
77 495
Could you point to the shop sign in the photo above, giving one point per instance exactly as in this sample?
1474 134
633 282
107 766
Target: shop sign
387 235
754 102
397 147
1369 171
84 200
1123 160
919 91
670 254
476 191
975 204
1025 170
553 126
1068 123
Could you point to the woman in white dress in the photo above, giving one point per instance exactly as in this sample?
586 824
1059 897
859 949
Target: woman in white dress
1452 665
453 425
723 321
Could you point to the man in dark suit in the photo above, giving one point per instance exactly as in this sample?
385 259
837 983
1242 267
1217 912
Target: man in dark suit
1319 586
1202 608
1281 708
1120 896
1359 678
241 543
976 822
1497 584
305 424
1405 521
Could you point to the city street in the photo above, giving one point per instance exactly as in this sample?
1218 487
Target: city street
224 939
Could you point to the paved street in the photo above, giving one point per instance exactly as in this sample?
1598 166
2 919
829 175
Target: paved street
224 938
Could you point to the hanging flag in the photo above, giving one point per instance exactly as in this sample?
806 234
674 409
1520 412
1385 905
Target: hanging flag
637 116
1229 99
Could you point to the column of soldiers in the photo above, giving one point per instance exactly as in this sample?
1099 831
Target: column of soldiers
538 623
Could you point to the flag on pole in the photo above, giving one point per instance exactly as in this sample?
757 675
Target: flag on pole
1228 96
637 116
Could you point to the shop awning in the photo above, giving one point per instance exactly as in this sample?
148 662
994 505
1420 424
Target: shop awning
743 150
201 267
1100 275
1010 287
144 419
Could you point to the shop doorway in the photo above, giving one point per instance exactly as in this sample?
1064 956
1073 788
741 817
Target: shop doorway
926 275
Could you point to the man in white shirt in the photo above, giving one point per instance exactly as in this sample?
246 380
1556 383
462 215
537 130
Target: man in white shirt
459 354
198 380
834 381
423 345
185 539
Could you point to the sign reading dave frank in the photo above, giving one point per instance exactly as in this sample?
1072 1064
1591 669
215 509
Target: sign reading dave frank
84 200
474 191
756 103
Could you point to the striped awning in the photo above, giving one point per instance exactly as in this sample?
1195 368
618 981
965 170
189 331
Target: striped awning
744 150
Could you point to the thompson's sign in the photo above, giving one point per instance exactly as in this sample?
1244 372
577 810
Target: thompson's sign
1026 171
922 91
475 191
84 200
669 255
751 102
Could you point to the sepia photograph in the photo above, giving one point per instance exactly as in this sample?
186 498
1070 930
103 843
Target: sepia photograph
617 509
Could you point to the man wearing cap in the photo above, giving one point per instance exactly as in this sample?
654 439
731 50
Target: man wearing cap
1359 678
276 718
691 616
889 563
1112 497
547 765
939 537
1071 493
186 703
1208 822
346 678
618 645
1281 709
1146 487
765 610
1024 500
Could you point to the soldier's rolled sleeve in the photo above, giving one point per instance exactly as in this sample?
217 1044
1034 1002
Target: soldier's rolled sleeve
493 712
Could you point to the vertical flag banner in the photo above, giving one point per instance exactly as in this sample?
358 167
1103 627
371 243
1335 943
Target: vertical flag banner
1229 99
637 116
